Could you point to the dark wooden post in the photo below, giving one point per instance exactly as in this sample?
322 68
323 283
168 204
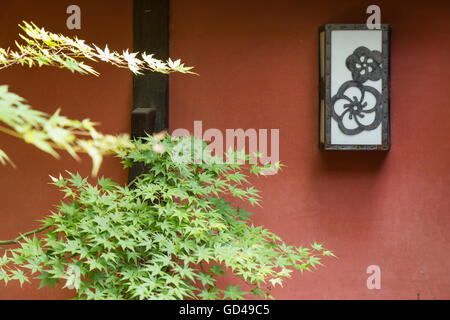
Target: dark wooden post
150 91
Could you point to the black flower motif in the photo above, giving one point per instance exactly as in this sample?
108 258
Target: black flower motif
365 64
356 108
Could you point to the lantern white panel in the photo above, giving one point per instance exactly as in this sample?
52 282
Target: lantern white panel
343 44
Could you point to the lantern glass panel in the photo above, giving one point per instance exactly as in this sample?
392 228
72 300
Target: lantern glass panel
354 79
343 45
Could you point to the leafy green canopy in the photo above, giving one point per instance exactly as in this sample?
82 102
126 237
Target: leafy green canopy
169 235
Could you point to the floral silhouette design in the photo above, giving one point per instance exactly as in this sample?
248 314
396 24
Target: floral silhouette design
365 64
356 108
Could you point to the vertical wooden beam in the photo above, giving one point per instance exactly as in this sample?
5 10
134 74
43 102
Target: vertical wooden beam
150 91
151 34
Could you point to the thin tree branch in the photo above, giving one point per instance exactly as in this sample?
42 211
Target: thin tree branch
16 240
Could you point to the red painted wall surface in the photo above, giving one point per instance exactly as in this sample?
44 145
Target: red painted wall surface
258 69
25 195
258 63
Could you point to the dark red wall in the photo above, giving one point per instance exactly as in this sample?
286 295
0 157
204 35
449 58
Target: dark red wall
258 69
258 63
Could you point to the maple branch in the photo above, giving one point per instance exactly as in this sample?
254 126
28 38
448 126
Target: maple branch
16 240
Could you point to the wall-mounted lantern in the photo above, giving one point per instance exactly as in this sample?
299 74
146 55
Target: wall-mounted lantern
354 87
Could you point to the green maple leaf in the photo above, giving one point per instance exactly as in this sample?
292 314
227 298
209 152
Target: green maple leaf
47 279
204 253
276 281
107 184
234 293
20 276
217 269
77 181
244 214
206 279
212 294
258 292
